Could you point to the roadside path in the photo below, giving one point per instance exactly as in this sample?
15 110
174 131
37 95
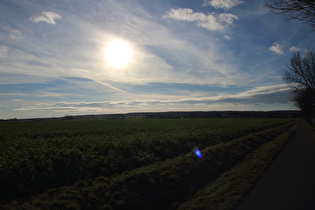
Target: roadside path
289 183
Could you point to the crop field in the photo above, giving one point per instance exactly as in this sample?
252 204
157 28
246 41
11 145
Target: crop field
121 164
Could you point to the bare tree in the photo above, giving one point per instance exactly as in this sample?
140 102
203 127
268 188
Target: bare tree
306 102
301 71
300 76
303 10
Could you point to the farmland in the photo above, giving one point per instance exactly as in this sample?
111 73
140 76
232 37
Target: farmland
121 163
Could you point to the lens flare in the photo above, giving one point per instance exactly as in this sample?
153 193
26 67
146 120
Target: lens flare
197 152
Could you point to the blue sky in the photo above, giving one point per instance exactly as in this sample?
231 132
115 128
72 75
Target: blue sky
187 55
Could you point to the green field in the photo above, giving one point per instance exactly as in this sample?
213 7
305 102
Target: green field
143 163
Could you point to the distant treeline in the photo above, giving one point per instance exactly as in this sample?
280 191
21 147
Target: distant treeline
183 115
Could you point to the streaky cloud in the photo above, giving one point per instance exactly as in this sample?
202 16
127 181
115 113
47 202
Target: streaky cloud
108 85
274 94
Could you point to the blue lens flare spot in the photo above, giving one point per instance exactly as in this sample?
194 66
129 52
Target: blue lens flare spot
197 152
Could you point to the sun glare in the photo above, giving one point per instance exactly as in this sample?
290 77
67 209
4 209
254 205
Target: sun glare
118 54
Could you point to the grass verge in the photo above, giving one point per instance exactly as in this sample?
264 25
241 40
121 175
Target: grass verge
227 191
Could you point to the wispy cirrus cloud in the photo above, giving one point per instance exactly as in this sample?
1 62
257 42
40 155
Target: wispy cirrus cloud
46 16
164 58
210 22
15 35
276 48
222 4
276 94
3 51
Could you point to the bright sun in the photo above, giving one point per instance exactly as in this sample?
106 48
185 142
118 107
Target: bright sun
118 54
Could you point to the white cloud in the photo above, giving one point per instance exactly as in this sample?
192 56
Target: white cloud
15 34
276 48
209 22
48 17
227 37
294 49
3 51
222 4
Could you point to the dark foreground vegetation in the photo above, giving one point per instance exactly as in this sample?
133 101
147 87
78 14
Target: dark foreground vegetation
121 164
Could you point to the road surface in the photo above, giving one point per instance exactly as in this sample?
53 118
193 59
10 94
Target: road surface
289 183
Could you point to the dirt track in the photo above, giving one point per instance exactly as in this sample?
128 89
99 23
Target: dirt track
289 183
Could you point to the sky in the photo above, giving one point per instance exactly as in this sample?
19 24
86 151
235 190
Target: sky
174 55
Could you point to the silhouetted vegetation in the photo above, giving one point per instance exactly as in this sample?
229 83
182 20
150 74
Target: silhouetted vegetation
303 10
301 78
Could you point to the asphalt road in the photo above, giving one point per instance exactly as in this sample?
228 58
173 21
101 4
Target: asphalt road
289 183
